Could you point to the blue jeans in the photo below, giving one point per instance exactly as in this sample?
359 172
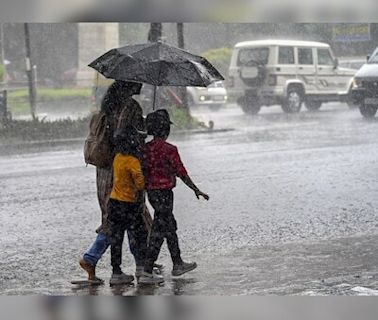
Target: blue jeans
97 249
102 243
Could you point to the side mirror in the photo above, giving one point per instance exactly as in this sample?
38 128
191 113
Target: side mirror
335 63
367 57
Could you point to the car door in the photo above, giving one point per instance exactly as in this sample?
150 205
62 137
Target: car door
306 70
328 80
338 79
286 68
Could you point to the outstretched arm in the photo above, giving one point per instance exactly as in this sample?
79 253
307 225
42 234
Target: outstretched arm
183 174
188 181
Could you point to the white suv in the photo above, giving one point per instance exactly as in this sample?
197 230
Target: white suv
269 72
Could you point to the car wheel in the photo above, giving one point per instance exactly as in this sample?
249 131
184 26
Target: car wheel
293 101
249 105
313 105
368 111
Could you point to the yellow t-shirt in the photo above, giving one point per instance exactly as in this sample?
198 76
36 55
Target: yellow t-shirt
128 178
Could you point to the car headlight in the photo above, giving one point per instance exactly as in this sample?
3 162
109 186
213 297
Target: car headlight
202 98
357 83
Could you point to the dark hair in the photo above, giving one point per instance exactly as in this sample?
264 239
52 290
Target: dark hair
163 131
117 95
158 124
127 141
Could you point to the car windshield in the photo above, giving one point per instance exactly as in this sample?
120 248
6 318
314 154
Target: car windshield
374 57
217 84
253 56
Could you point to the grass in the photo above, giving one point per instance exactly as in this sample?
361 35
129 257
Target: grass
18 107
51 93
18 100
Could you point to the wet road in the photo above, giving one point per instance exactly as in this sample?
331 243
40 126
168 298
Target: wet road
292 210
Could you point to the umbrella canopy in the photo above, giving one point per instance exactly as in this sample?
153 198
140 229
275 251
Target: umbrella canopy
157 64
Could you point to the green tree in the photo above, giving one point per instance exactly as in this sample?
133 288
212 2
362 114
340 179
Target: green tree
220 58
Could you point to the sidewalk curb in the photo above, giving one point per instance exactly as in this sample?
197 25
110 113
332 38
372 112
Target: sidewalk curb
58 142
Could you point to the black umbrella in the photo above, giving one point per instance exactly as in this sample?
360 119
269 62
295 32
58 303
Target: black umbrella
157 64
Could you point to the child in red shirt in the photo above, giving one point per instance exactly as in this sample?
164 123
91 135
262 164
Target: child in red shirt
162 166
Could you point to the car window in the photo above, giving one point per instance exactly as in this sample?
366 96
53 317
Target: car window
374 57
324 57
248 55
217 84
286 55
305 56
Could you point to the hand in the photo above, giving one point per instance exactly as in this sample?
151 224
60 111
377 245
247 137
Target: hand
201 194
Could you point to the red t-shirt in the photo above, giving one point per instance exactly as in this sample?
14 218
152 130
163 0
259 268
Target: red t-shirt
162 165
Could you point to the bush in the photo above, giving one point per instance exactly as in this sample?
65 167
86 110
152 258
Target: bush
182 119
25 130
40 130
220 58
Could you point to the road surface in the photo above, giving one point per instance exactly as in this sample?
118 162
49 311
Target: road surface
292 210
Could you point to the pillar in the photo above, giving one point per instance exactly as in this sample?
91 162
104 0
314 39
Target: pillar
94 40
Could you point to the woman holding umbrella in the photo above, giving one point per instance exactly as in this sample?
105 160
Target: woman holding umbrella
121 110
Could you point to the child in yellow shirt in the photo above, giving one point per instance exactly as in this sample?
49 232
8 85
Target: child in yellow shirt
123 206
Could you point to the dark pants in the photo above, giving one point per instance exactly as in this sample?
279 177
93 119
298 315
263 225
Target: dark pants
124 216
163 226
101 244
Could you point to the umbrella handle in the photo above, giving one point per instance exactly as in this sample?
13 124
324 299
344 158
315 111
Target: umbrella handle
153 103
